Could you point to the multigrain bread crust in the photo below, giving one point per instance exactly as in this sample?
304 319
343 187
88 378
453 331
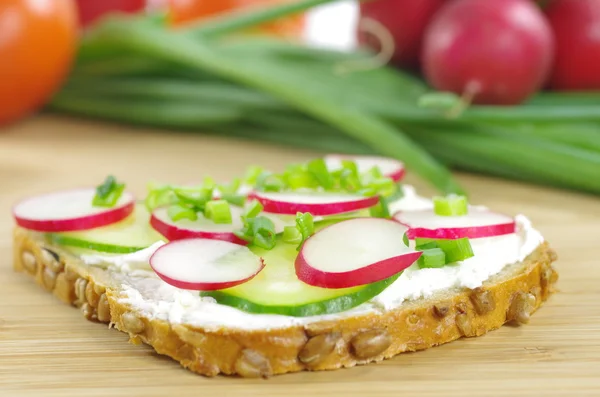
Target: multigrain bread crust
510 296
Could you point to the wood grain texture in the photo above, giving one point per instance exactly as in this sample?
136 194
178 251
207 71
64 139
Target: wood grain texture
48 349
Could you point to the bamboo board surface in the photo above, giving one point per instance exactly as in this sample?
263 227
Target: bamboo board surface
48 349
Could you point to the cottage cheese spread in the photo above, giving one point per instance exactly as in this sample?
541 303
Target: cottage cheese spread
143 290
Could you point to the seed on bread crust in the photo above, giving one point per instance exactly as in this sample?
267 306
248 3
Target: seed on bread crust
483 301
464 324
318 348
521 306
90 295
370 343
80 288
29 262
132 323
103 310
252 364
52 260
441 311
49 278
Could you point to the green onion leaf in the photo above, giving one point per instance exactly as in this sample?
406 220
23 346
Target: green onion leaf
439 100
432 258
319 170
218 211
350 166
268 182
108 193
178 212
252 174
380 210
253 209
348 180
292 235
234 199
263 232
297 177
456 250
451 205
209 183
195 197
160 197
305 225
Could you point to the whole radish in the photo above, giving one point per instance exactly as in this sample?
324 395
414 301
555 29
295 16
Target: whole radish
492 52
576 26
406 20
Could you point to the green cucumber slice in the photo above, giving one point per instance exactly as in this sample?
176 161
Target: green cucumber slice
277 290
130 235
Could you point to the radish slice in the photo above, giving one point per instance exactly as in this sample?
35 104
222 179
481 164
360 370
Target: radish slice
69 211
389 167
318 204
205 265
354 252
206 228
477 223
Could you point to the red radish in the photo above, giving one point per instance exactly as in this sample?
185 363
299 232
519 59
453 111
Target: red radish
406 20
389 167
91 11
200 228
576 25
318 204
354 252
205 265
493 52
69 211
476 224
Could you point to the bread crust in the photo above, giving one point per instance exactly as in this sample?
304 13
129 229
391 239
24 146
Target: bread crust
510 296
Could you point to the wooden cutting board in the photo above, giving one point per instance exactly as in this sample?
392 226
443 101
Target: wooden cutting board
48 349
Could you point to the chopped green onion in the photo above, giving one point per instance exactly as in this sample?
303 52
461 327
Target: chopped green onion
405 239
230 188
234 199
178 212
252 174
305 225
432 258
368 177
292 235
456 250
384 186
319 170
253 209
451 205
194 196
427 246
218 211
209 183
299 179
348 180
350 166
268 182
159 197
263 232
380 210
108 193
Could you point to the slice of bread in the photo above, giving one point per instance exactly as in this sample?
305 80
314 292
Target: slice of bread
510 296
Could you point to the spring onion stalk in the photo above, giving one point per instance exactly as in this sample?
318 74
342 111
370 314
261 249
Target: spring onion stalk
378 134
451 205
108 193
218 211
432 258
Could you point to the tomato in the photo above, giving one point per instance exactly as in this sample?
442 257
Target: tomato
37 45
92 10
186 11
576 26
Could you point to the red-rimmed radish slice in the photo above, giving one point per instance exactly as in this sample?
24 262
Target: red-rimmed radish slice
354 252
200 228
389 167
69 211
205 265
318 204
206 228
477 223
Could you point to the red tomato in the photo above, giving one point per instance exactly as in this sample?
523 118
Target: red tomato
37 45
185 11
92 10
576 25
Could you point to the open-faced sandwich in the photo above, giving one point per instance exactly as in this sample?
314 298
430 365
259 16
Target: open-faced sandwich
329 264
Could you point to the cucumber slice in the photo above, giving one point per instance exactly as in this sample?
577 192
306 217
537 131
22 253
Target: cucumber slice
277 290
130 235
